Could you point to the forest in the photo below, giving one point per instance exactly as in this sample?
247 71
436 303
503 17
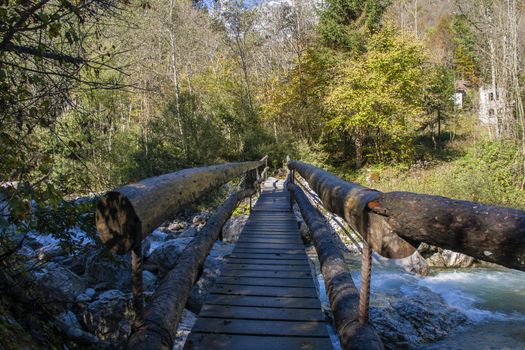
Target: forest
400 95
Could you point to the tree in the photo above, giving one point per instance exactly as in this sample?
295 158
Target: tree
380 96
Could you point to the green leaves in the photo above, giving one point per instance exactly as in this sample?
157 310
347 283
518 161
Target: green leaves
380 93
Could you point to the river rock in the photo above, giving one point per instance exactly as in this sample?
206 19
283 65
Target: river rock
438 257
414 263
409 321
187 320
108 271
189 233
211 270
110 316
58 286
233 227
149 281
166 255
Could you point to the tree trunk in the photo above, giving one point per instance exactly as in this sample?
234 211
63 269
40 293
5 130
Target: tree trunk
358 142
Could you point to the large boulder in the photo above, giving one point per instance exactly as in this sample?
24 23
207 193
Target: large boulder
211 270
410 321
233 227
58 286
164 257
110 317
108 271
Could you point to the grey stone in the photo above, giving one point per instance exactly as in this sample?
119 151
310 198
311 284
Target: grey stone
149 281
233 227
166 254
108 271
211 270
407 322
110 317
59 286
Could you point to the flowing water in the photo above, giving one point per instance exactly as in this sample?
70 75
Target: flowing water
492 299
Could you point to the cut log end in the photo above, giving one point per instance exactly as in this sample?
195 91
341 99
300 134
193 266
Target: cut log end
117 223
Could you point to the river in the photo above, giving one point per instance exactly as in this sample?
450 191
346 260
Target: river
492 299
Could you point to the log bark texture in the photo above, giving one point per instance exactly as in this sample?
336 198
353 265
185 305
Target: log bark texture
349 201
131 212
488 233
397 219
342 292
163 313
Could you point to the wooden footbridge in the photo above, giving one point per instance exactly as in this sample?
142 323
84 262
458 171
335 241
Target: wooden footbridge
265 297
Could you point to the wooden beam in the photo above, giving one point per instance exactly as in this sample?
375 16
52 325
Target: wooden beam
343 295
349 201
163 313
485 232
488 233
131 212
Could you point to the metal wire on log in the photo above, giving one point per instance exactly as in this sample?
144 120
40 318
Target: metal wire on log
163 313
399 221
342 293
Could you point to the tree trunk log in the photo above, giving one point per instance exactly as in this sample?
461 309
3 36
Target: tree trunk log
131 212
488 233
163 314
343 295
349 201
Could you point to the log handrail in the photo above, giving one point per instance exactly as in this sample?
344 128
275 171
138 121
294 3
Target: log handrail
342 292
398 221
132 212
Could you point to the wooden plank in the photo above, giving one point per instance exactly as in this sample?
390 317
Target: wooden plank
268 267
258 281
260 313
265 273
275 256
260 327
265 291
199 341
269 251
295 240
267 262
263 301
273 246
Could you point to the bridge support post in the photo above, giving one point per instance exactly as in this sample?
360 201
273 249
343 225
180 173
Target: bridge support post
364 289
138 291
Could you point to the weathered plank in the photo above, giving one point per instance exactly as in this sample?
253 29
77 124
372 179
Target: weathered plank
259 281
264 301
260 327
260 313
199 341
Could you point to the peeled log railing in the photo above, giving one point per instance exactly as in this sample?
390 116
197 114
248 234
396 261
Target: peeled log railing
394 224
124 217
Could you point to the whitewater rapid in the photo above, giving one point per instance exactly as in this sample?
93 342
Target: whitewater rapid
492 299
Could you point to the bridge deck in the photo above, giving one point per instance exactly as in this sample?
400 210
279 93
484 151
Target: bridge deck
265 297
